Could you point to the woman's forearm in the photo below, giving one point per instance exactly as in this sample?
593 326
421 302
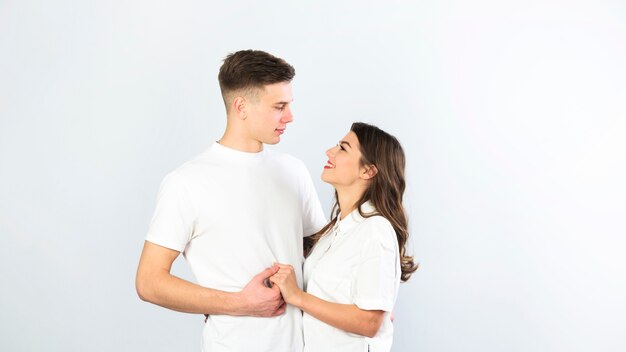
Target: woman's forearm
347 317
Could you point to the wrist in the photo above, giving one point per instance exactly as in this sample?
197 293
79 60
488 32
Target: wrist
298 299
236 303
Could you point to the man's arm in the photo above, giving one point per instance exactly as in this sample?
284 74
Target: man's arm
155 284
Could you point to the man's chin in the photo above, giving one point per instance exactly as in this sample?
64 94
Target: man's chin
272 141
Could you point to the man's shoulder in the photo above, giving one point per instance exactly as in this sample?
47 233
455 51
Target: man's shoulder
285 158
191 168
198 162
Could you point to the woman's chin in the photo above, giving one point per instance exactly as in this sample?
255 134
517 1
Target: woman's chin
325 178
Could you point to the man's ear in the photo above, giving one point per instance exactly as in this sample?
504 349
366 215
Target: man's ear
370 172
239 107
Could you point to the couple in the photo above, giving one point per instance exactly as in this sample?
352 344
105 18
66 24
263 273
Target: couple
238 208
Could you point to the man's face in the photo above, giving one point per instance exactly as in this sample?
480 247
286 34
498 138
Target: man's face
269 112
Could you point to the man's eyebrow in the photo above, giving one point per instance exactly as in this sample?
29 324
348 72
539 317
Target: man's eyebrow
344 142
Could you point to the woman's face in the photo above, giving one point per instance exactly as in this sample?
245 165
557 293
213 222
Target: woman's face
344 162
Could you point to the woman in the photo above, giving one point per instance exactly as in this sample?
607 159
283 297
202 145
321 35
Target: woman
353 271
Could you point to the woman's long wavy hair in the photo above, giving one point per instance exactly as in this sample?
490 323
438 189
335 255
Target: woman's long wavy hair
385 190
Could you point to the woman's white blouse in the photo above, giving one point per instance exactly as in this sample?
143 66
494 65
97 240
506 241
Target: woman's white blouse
356 263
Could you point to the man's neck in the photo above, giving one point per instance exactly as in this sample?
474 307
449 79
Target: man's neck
241 144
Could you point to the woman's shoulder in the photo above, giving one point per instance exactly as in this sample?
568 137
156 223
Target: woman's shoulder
376 220
379 229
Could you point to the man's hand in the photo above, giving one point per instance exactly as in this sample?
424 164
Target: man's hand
258 299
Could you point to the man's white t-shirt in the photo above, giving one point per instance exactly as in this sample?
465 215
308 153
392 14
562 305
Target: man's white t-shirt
356 263
232 214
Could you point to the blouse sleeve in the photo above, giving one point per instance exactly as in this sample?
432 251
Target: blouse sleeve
376 279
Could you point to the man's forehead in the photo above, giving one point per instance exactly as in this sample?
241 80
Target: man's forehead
277 92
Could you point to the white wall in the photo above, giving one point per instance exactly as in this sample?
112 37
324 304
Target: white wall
512 115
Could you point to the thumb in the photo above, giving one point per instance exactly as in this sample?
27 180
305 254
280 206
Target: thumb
266 273
275 288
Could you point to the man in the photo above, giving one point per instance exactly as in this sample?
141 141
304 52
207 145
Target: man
232 211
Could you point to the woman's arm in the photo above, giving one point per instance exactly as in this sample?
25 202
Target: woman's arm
347 317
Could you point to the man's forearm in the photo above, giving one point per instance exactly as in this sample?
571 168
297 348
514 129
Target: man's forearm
157 285
169 291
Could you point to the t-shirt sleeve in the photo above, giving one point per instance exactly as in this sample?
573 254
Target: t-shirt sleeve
375 284
173 219
313 218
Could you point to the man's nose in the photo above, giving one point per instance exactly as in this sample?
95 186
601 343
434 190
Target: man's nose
287 115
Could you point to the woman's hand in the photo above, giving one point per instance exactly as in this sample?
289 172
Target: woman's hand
347 317
286 280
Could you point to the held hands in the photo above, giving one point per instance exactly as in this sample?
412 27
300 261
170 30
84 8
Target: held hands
260 300
263 300
286 280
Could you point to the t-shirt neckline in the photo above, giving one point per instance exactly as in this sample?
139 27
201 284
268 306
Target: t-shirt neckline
236 155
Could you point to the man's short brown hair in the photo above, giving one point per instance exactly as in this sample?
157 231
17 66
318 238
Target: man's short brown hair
248 69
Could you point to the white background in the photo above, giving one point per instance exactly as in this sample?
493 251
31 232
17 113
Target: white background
512 115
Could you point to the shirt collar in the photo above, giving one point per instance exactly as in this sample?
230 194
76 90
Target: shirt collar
354 218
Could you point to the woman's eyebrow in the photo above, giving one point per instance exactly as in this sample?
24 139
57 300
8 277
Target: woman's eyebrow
344 142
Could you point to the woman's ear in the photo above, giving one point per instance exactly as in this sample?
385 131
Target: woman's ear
370 172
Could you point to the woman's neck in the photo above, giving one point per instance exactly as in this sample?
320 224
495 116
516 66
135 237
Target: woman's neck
347 200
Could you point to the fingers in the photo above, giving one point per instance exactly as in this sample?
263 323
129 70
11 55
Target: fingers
276 287
276 281
285 272
281 310
284 269
266 273
275 274
284 266
277 307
